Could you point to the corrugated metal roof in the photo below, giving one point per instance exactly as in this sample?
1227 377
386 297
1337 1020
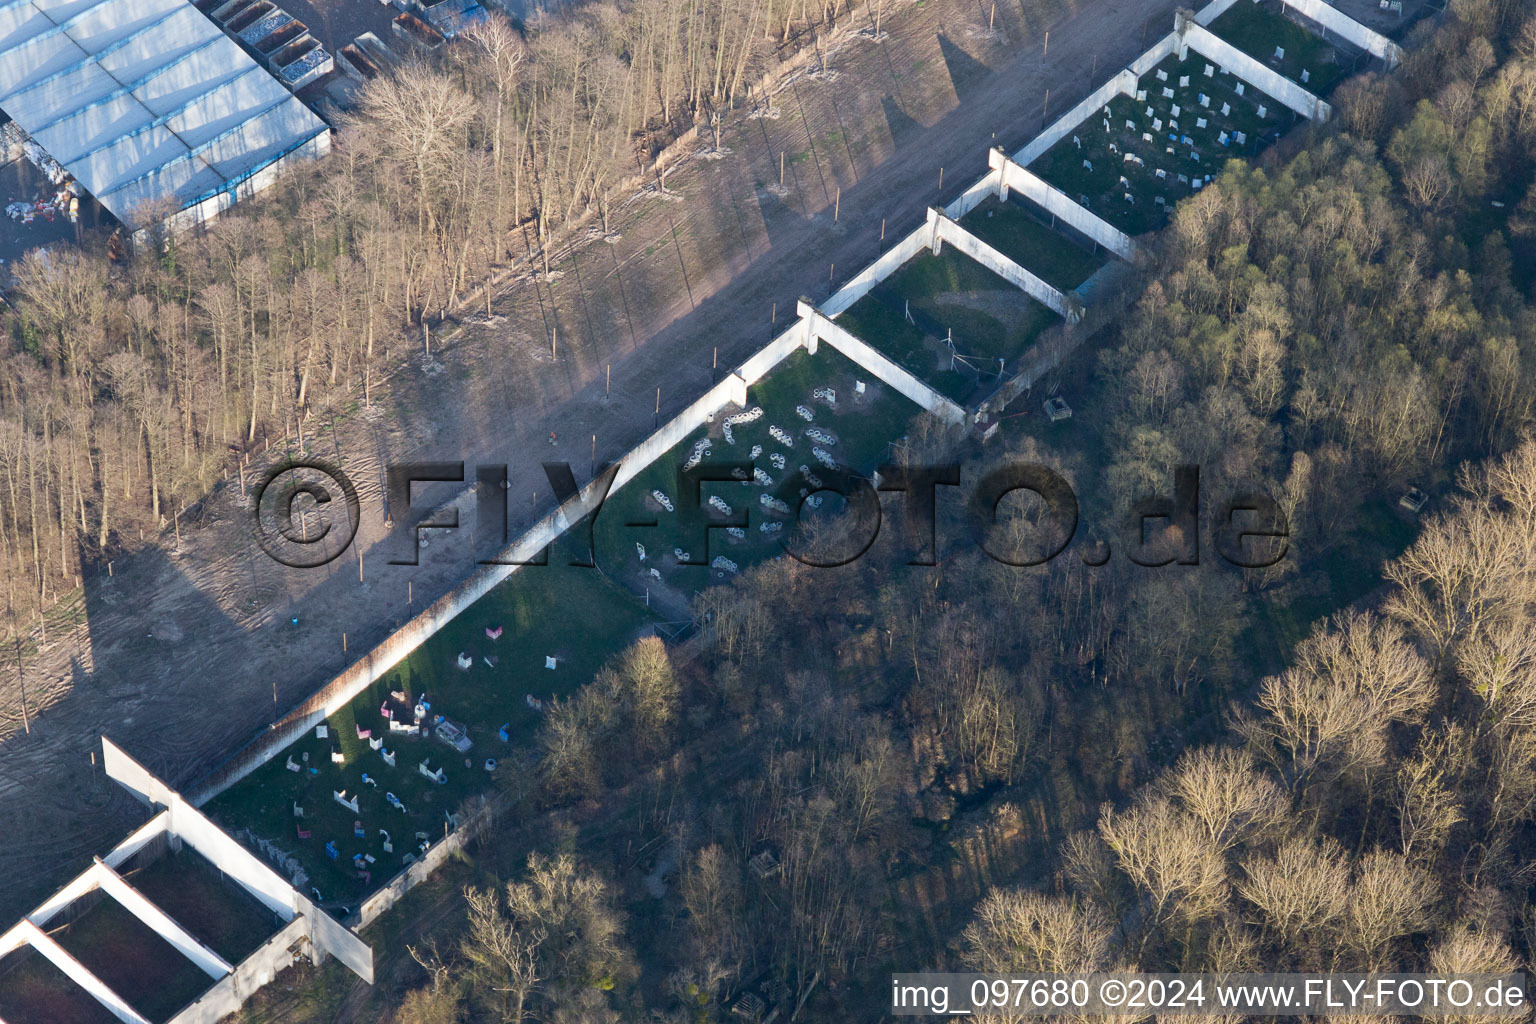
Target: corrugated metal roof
142 99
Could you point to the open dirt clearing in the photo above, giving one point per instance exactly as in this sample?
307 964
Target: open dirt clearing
183 655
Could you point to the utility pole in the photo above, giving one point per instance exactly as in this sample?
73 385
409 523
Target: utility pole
22 679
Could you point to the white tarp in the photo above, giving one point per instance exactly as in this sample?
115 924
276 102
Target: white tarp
143 99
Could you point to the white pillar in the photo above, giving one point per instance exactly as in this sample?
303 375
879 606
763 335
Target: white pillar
163 924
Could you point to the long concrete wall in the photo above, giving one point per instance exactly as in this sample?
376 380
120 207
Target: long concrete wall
1206 43
1122 84
257 970
413 875
76 972
1160 51
772 354
864 282
1213 10
327 936
1341 24
986 185
877 363
167 927
398 645
1037 190
946 230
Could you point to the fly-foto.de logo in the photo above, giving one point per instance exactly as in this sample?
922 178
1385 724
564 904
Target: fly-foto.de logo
307 513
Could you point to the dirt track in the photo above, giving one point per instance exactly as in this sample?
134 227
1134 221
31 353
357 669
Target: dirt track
183 652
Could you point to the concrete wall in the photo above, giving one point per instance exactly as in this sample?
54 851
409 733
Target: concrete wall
327 936
730 391
1160 51
413 875
77 973
1035 188
1122 84
230 993
146 834
864 282
1339 23
167 927
1213 10
772 354
986 185
1206 43
946 230
860 352
399 644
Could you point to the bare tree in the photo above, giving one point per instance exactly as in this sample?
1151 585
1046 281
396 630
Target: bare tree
502 957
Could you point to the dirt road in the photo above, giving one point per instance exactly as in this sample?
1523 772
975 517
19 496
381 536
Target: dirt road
184 655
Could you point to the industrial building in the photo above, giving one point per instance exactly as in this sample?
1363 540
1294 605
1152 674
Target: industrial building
148 106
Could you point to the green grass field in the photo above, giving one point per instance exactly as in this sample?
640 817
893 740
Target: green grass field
1014 229
863 427
35 991
222 915
949 295
576 615
1105 152
132 960
1257 28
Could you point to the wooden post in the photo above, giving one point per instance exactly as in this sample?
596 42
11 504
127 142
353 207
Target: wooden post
991 18
831 269
426 334
359 563
109 569
1047 48
21 678
781 168
554 332
658 401
343 643
409 597
715 363
608 381
773 317
941 179
837 204
1046 105
882 229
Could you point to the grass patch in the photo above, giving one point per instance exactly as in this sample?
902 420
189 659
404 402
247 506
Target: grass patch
863 426
1012 229
221 914
1257 28
33 990
948 295
576 615
1103 184
132 960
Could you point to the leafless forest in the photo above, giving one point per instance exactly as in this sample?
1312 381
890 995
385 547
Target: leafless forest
128 389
